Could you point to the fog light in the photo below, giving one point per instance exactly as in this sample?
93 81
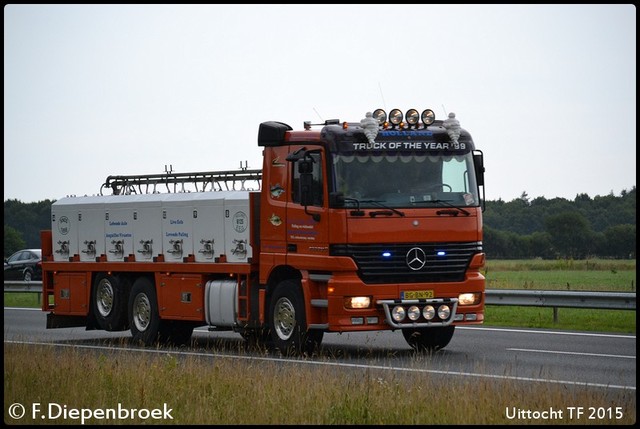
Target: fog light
413 313
429 312
444 312
372 320
398 313
458 317
357 321
471 316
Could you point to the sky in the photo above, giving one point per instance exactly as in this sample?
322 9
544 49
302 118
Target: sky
547 92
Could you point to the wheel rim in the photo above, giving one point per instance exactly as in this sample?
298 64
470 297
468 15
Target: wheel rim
141 312
104 298
284 319
27 276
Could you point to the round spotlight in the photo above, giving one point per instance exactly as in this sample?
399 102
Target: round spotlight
413 313
380 116
428 117
395 116
398 313
429 312
444 312
412 116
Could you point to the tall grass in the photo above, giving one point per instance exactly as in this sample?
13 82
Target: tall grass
220 391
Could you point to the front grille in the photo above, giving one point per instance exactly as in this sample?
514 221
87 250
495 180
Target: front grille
387 263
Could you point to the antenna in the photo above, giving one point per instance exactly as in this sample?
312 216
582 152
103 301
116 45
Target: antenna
314 109
384 103
445 111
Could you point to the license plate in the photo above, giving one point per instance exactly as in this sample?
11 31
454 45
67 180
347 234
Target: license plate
417 294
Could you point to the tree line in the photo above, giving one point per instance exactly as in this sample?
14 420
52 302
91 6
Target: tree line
603 226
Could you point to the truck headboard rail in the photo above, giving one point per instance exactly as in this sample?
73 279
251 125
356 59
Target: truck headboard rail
231 180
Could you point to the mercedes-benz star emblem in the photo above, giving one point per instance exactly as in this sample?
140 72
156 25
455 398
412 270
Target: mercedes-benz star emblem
416 258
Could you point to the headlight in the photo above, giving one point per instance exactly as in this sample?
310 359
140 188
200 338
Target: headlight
468 298
357 302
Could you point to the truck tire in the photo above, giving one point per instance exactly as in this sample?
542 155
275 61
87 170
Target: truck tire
428 339
287 321
144 318
109 302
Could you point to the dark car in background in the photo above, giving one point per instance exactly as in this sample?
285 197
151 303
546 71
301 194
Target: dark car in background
24 265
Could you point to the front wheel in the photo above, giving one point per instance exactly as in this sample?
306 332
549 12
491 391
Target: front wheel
428 339
287 321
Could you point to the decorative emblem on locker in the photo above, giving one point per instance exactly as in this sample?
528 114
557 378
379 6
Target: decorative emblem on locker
207 248
240 222
176 249
64 248
147 248
91 248
64 225
241 248
118 248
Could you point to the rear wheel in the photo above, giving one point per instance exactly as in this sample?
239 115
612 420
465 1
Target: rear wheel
27 276
144 318
109 302
428 339
287 321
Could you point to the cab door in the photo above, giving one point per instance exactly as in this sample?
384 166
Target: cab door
307 222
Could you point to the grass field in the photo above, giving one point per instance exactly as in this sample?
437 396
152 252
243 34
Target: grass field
216 391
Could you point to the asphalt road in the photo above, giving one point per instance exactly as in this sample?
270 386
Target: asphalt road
600 360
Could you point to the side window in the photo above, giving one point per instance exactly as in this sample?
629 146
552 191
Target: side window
318 194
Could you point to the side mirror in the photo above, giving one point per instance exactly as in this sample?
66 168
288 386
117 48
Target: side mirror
306 189
336 199
478 163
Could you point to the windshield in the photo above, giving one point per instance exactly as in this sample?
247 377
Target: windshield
406 179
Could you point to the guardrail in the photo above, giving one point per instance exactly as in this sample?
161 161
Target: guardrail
22 286
513 297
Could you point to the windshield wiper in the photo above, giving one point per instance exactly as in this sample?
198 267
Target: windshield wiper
447 203
379 204
357 211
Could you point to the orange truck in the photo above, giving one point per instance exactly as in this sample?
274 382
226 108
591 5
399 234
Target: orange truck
349 226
